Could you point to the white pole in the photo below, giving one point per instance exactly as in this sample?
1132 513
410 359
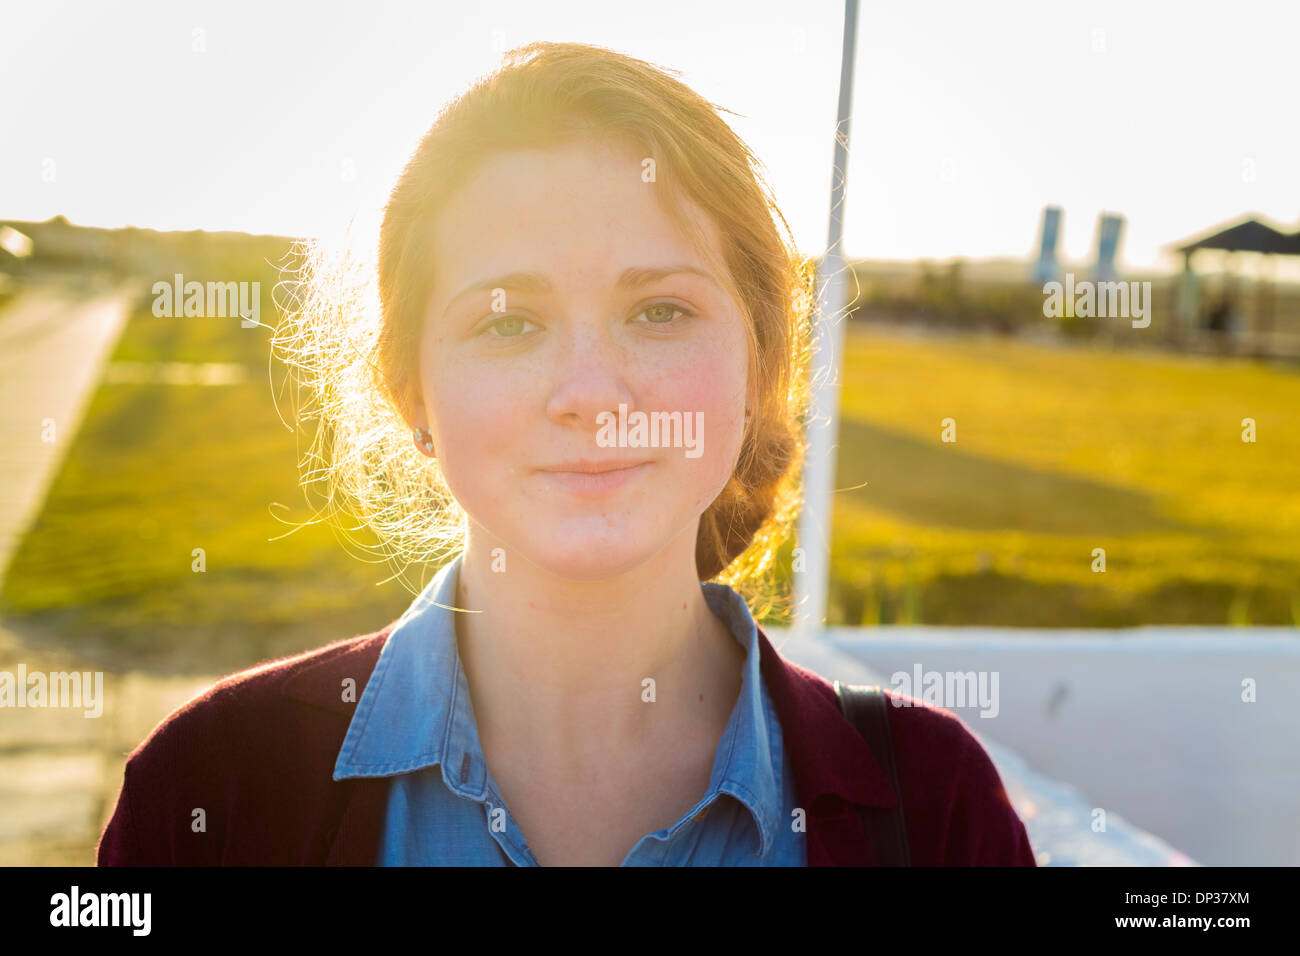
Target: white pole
814 533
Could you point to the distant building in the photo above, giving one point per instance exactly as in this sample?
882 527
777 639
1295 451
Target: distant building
1110 228
1048 267
1224 316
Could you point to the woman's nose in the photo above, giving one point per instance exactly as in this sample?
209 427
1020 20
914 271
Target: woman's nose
590 377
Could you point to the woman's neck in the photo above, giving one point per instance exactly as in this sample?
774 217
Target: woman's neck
585 674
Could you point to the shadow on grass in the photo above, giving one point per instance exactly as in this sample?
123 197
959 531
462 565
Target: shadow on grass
936 484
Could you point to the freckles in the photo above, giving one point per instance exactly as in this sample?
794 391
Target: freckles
709 387
702 383
466 394
483 437
480 422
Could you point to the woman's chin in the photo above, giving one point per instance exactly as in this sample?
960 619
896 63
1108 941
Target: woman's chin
592 558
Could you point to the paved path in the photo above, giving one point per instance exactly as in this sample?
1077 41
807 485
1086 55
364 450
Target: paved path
60 770
52 348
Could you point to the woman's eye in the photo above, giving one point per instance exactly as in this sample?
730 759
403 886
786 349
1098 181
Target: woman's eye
661 313
508 327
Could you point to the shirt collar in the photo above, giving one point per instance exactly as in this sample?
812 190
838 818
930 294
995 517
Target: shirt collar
415 711
751 769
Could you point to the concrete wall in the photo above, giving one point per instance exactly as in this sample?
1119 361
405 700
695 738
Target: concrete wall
1148 724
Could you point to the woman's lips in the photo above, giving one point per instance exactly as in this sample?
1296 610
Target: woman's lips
595 484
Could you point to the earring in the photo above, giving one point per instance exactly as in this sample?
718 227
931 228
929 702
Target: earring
424 439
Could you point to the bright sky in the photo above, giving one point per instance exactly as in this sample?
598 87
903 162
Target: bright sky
968 117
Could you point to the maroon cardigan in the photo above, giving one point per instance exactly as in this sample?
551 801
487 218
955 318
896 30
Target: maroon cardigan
256 754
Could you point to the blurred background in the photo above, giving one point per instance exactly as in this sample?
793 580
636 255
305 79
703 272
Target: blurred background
987 450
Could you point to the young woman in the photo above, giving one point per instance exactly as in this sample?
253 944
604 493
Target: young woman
583 380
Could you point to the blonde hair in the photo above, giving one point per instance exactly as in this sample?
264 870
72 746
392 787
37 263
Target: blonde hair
352 339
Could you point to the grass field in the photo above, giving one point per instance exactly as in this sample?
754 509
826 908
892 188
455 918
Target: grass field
1057 452
159 470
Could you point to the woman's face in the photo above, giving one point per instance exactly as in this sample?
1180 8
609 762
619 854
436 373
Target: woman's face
517 370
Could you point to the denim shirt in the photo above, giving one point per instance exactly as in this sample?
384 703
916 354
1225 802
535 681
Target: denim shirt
415 723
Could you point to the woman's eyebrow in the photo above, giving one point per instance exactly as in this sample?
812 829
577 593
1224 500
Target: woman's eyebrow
536 282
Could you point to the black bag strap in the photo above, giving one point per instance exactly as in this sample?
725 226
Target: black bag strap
867 709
